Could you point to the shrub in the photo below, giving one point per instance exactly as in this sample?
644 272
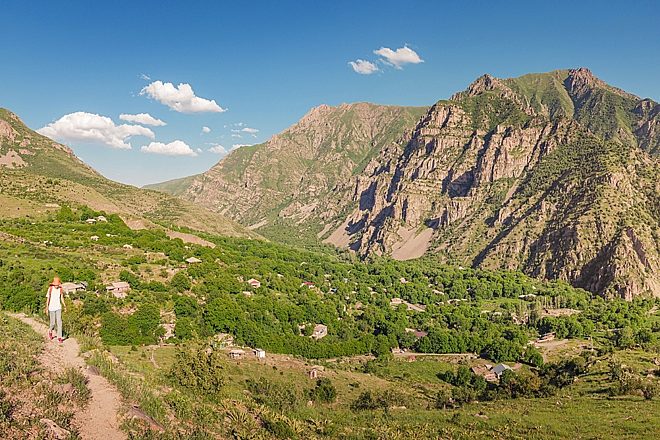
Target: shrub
6 407
274 395
198 368
323 392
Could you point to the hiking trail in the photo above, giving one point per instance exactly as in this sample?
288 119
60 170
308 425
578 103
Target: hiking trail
99 419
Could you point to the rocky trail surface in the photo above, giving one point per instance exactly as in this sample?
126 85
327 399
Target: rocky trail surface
99 419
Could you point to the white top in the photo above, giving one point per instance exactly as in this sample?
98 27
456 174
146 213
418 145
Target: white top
55 303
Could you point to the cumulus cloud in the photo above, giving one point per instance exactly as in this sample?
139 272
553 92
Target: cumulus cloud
399 57
218 149
180 98
142 118
248 130
363 67
93 128
206 129
174 148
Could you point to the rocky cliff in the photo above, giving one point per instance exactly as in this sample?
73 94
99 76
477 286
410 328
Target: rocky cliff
552 174
302 177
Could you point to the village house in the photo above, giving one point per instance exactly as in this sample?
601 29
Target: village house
416 307
90 221
320 331
193 260
259 353
118 289
418 333
307 284
236 353
127 246
402 280
394 302
547 337
101 218
255 284
314 372
499 369
485 371
69 288
94 238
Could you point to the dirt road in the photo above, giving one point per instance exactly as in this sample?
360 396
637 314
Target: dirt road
99 419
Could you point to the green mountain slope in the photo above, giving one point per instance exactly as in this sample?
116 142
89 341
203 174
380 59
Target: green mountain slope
550 173
302 179
36 174
555 174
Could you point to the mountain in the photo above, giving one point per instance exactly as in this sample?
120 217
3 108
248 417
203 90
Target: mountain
303 178
38 174
554 174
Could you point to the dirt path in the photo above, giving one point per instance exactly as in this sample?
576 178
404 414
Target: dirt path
98 420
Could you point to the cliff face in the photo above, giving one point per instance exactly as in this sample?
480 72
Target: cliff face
305 173
500 178
554 174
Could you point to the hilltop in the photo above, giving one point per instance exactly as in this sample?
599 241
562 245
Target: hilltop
37 175
554 174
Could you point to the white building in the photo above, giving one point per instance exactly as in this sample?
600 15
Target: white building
320 331
259 353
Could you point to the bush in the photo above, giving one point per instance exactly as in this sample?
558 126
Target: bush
279 428
198 368
323 392
6 407
378 400
274 395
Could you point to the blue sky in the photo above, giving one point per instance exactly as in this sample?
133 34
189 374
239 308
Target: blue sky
269 62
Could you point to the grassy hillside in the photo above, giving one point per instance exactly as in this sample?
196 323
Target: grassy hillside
47 174
175 187
597 365
298 182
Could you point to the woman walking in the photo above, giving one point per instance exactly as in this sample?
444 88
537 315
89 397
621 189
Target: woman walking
54 306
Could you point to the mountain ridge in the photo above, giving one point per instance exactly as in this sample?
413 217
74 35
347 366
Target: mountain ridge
551 173
37 171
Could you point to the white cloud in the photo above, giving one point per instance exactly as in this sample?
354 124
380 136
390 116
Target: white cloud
218 149
174 148
145 77
93 128
236 135
142 118
399 57
363 67
248 130
206 129
180 98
